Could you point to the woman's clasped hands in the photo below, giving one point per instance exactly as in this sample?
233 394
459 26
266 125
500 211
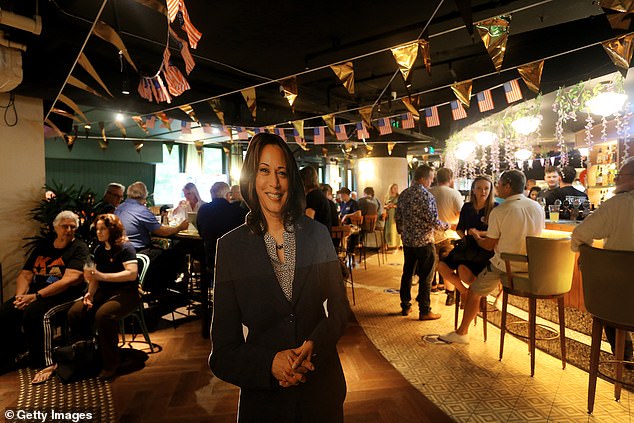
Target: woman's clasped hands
291 366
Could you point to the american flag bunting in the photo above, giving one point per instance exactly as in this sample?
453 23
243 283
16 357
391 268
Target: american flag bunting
176 82
362 131
297 137
384 125
206 128
407 120
186 127
318 135
150 121
431 116
512 91
340 132
280 133
192 33
242 133
485 101
457 110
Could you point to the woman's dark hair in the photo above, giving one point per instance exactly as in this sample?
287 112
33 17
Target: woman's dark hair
534 189
116 231
295 197
310 178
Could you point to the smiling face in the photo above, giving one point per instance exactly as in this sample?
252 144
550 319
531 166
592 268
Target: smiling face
65 230
271 182
552 179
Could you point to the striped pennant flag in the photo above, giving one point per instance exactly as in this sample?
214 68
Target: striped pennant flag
362 131
176 82
340 132
298 138
242 133
207 128
182 19
318 135
512 91
280 133
485 101
457 110
184 49
186 127
144 89
431 116
407 121
257 130
384 125
150 121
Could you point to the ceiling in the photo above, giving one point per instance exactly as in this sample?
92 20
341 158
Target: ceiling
246 44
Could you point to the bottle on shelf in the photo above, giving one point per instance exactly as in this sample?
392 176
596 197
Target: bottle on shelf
599 176
600 156
610 177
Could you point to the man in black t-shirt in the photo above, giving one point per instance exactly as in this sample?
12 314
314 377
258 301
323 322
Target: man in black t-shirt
566 177
317 206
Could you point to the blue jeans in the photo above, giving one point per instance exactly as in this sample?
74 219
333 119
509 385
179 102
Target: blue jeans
421 261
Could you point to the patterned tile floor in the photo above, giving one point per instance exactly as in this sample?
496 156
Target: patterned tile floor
468 382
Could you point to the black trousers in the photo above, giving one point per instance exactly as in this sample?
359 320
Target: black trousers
421 260
610 333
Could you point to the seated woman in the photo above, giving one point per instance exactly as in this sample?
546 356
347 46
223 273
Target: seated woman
191 203
473 218
112 292
49 281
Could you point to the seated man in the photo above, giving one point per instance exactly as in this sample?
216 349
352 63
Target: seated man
140 224
509 225
51 277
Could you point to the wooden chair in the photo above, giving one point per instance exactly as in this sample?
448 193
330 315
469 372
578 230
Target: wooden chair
368 227
608 291
550 267
341 233
144 263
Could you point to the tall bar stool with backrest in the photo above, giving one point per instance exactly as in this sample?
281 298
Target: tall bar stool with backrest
368 227
550 266
144 263
608 291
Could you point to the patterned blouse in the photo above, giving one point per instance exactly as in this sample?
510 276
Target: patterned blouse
417 216
285 272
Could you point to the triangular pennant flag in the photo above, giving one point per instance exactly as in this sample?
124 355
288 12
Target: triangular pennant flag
70 141
494 33
424 46
184 50
405 57
620 50
165 121
199 147
182 18
530 164
138 146
345 73
462 90
189 111
85 63
318 135
176 81
150 121
619 21
249 98
552 161
103 142
81 85
169 146
366 116
532 74
542 161
107 33
154 4
64 113
141 123
289 88
299 131
54 127
70 103
216 106
329 120
390 147
412 105
618 5
186 127
121 128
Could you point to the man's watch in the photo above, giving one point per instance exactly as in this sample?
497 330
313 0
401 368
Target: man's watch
38 296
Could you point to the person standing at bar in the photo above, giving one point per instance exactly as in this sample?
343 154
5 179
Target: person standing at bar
317 206
551 176
567 176
416 219
613 222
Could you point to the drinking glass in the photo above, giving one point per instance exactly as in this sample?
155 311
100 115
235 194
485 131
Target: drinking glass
554 213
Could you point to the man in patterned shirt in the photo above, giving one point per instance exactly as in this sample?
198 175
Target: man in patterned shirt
416 218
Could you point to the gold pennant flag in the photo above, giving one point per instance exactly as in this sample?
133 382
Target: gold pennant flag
64 113
390 147
462 90
249 98
532 74
79 84
121 128
217 108
85 63
620 21
289 86
405 57
329 120
412 105
494 33
424 46
70 141
189 111
107 33
138 145
103 142
620 50
139 121
154 4
345 73
298 135
165 121
199 147
70 103
54 128
366 116
169 146
618 5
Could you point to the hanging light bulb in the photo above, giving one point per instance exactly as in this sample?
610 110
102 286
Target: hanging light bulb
523 154
526 125
606 103
485 138
464 150
119 117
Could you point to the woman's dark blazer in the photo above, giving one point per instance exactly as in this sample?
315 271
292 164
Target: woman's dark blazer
246 292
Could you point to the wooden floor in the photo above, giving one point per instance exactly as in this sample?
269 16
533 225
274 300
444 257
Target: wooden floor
176 384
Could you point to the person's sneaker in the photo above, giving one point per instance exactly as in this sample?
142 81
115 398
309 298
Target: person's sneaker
429 316
405 311
454 338
451 298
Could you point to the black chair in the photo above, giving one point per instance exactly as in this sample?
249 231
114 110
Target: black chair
346 258
137 314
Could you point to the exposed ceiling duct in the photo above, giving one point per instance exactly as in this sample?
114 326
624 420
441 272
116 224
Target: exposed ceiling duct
11 52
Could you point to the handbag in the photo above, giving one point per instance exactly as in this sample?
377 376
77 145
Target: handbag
81 360
467 250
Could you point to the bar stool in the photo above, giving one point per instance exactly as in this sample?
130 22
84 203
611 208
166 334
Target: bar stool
550 266
483 309
144 263
608 291
368 227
